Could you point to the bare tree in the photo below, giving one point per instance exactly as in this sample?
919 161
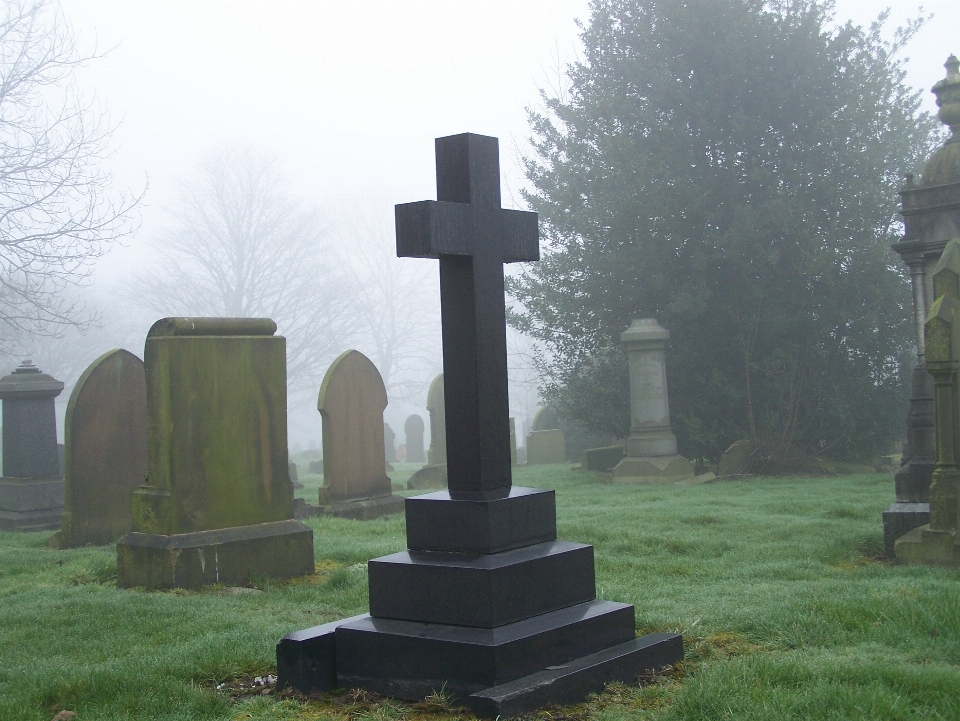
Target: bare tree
396 302
57 215
241 245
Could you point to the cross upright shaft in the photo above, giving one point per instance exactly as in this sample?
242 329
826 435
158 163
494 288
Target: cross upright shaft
473 237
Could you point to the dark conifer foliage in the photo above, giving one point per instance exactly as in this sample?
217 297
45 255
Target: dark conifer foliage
730 167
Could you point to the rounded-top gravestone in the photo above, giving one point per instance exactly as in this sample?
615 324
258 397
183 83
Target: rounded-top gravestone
413 430
31 490
105 433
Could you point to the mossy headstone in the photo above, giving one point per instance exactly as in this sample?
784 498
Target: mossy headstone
217 505
105 450
351 401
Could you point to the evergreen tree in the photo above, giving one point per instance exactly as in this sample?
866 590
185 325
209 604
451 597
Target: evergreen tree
730 167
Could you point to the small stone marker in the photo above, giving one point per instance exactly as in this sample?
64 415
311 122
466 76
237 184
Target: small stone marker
413 430
217 505
31 489
545 443
938 542
352 399
437 453
652 447
389 443
486 605
105 450
434 474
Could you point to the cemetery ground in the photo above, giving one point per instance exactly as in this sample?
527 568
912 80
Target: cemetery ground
787 609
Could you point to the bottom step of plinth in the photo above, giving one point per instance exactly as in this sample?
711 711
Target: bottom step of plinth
573 681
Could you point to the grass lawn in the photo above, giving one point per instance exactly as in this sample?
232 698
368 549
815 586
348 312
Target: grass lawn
785 609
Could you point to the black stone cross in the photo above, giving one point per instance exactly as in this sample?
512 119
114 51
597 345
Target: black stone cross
473 237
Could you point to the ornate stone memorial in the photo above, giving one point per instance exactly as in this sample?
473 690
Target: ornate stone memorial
651 447
485 605
31 489
105 429
434 474
352 399
937 542
545 443
931 217
413 431
217 505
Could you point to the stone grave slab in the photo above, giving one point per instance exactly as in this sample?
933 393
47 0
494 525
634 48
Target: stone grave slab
510 610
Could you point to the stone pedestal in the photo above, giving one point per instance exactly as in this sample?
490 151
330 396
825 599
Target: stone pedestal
931 217
217 505
651 447
31 489
485 604
937 542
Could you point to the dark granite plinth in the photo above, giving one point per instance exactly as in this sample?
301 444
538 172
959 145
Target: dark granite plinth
481 590
899 519
410 660
571 682
30 504
279 549
364 509
437 522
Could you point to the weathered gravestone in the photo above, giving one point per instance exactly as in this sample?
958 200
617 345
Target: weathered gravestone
937 542
434 474
931 217
545 442
651 447
389 443
486 605
31 489
413 431
105 429
351 401
217 506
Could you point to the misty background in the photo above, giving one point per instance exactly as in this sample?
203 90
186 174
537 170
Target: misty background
325 113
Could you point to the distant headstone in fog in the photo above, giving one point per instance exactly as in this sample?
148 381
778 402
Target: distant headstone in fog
545 443
105 430
389 443
413 430
351 401
434 474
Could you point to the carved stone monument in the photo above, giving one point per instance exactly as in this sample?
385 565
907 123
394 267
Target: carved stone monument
937 542
486 605
651 447
434 474
931 217
31 489
105 430
217 505
413 431
352 399
545 442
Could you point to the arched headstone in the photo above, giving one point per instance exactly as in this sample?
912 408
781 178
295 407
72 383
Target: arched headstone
105 449
413 430
351 401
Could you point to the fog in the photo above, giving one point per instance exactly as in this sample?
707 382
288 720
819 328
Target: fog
349 97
